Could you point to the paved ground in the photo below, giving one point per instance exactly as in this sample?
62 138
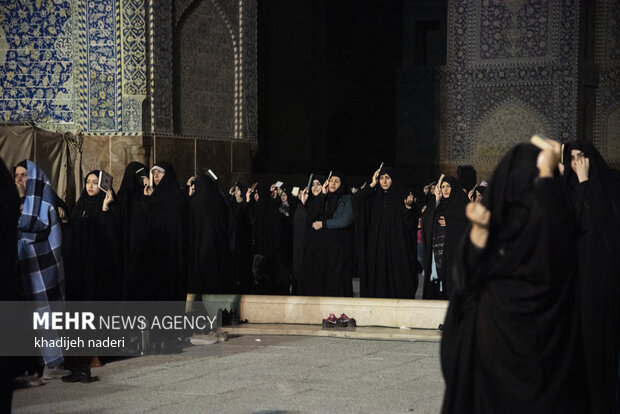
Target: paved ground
258 374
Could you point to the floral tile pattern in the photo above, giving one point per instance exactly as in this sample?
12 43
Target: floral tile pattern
36 61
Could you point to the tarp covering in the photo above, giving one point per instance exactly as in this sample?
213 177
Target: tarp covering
58 154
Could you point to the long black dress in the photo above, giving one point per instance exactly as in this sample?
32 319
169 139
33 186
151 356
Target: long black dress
389 258
242 243
9 215
510 336
159 242
439 242
210 254
596 208
328 259
93 269
266 233
130 200
304 215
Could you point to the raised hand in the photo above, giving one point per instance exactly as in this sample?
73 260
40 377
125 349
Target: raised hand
375 177
549 158
107 200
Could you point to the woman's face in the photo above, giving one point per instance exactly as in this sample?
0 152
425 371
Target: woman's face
385 181
284 197
334 184
316 187
157 176
445 189
575 155
92 188
21 176
237 191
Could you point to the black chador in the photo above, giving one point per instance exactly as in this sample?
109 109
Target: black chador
304 215
595 199
130 201
510 336
159 245
242 241
388 256
443 225
93 271
328 259
266 233
210 251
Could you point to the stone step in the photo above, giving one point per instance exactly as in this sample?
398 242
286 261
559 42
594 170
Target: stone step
311 310
366 332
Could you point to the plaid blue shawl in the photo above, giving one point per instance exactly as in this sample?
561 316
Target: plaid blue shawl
40 240
39 248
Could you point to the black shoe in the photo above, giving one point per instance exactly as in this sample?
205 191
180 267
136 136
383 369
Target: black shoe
80 375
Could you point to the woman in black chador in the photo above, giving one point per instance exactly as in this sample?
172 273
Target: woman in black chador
307 210
130 200
443 225
510 336
210 254
389 257
242 239
266 233
595 198
93 271
328 259
159 240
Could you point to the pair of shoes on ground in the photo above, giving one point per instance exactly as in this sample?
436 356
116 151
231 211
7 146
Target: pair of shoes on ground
81 374
209 339
26 381
341 322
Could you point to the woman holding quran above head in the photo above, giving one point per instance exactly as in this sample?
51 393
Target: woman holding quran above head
130 199
389 259
210 256
159 248
510 341
93 270
594 191
308 208
328 259
443 225
241 239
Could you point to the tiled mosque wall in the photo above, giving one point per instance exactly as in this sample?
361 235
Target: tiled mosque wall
512 71
607 57
84 65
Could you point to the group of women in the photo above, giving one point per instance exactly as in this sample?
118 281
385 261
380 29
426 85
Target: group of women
532 324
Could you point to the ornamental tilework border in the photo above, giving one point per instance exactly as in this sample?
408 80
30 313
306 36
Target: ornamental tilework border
102 61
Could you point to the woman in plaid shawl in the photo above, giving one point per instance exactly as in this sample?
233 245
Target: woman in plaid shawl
39 247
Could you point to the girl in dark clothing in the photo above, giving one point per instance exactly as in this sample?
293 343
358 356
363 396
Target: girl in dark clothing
510 338
210 253
389 257
328 259
266 234
159 239
305 213
595 201
443 225
93 271
130 200
242 240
